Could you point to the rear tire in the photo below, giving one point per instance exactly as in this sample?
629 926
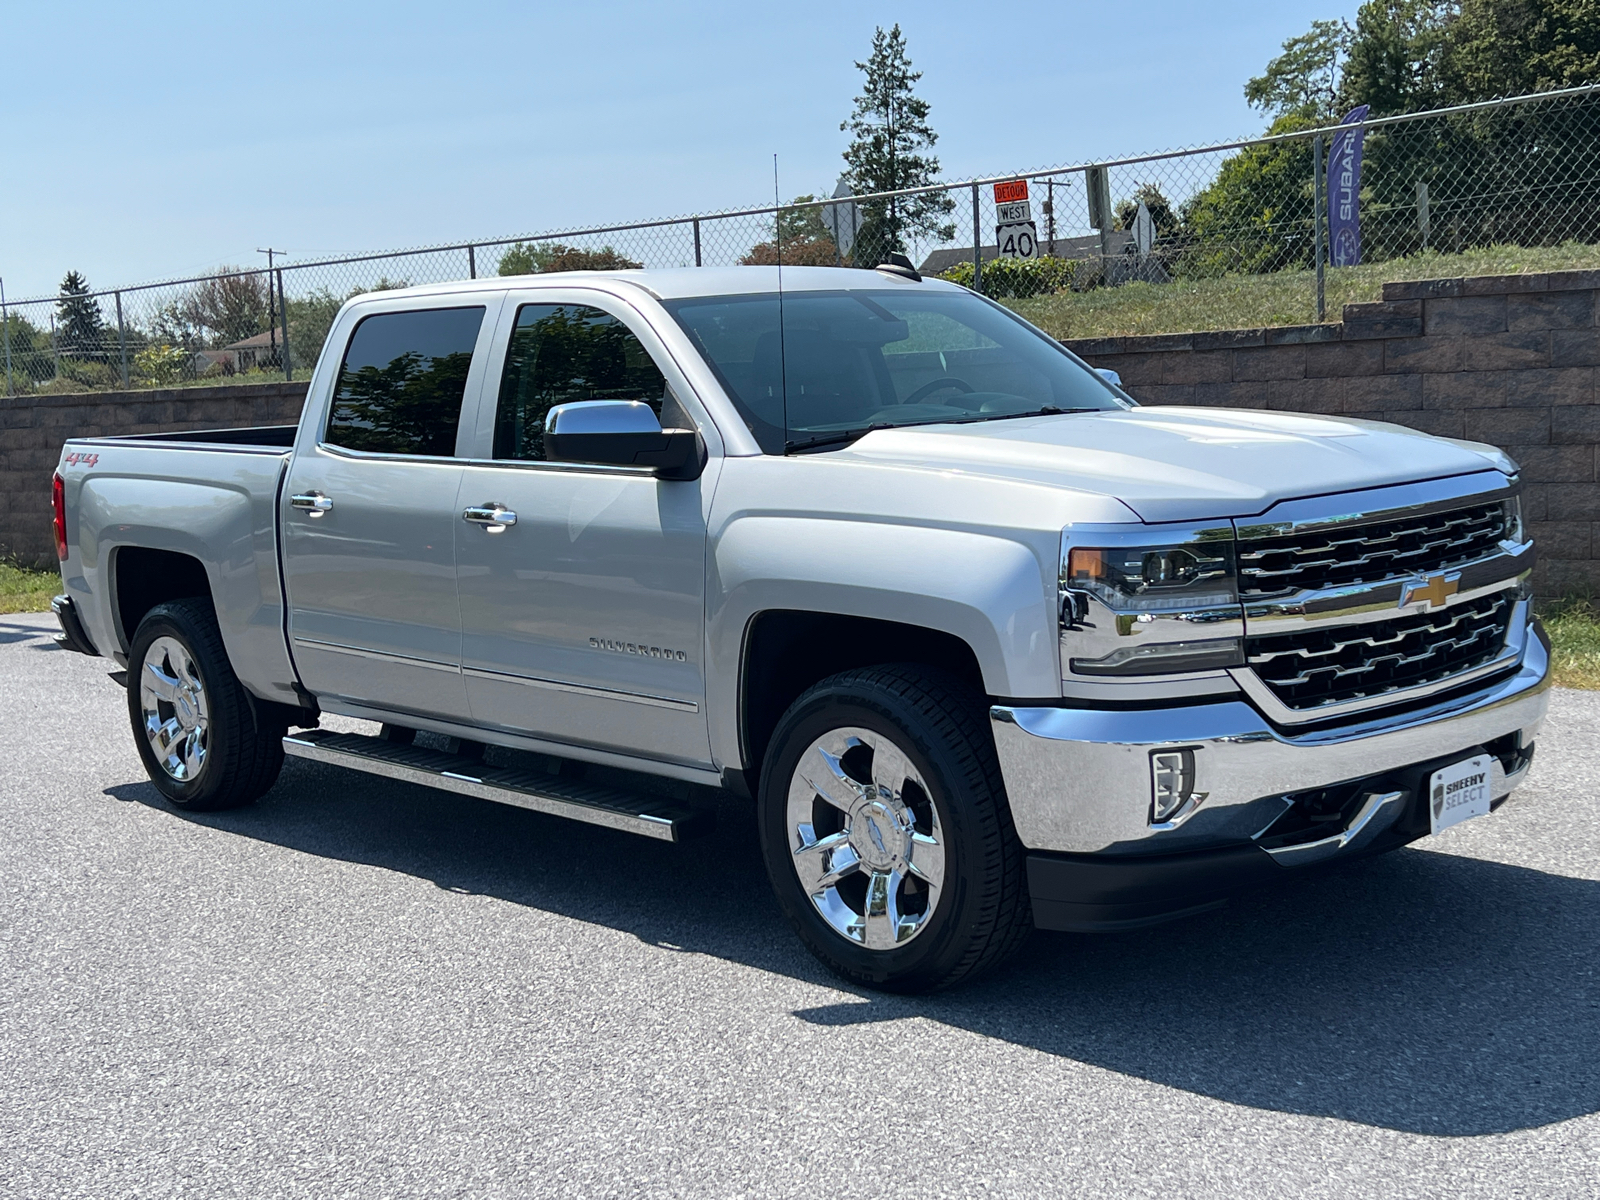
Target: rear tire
887 834
205 743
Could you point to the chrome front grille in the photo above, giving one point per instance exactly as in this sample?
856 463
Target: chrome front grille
1313 668
1364 553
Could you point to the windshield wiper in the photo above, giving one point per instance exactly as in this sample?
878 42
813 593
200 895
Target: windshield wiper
838 439
851 435
1049 410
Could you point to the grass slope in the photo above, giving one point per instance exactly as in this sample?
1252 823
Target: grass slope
1284 298
25 590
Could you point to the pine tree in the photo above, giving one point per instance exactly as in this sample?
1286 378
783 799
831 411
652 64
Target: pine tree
80 327
890 132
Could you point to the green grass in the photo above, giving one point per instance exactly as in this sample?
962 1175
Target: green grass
1283 298
25 590
1574 628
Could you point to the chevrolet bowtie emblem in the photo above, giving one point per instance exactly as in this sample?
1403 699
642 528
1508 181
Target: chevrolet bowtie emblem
1436 591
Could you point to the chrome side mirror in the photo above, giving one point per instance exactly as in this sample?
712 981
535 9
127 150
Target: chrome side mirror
622 433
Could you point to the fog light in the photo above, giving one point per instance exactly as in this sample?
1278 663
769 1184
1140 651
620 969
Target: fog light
1172 785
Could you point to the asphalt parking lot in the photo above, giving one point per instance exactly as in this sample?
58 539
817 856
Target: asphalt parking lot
365 988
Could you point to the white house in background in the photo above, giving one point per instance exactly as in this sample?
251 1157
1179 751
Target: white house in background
257 351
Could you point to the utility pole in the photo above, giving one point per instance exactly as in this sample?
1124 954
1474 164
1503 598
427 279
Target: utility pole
272 316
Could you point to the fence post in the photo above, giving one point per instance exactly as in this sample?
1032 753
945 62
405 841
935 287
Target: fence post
977 244
283 315
697 241
122 342
472 262
1422 211
5 326
1320 217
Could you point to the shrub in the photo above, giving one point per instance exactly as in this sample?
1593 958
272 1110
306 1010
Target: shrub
1019 278
539 258
161 363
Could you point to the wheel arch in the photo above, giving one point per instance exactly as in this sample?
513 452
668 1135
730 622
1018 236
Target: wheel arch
786 651
980 604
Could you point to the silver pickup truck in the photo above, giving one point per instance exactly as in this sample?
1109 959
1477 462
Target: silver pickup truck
987 645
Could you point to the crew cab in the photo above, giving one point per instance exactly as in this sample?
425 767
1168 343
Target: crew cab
987 644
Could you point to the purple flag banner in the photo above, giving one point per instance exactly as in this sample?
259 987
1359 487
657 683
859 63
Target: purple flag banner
1344 190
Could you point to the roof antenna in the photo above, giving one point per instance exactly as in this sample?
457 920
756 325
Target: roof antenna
783 358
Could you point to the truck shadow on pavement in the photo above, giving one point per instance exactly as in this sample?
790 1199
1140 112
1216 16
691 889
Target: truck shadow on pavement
1421 992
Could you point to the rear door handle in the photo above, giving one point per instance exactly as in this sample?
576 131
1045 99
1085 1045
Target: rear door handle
313 504
495 518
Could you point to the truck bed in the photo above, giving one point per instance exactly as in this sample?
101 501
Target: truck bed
144 506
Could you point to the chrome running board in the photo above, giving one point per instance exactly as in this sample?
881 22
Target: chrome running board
633 812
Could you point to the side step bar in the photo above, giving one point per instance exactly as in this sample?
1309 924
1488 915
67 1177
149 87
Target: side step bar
632 812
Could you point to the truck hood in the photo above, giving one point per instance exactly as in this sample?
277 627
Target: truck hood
1185 464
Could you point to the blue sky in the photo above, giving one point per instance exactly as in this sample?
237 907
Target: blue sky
161 139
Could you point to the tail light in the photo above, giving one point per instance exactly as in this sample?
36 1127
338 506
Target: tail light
58 501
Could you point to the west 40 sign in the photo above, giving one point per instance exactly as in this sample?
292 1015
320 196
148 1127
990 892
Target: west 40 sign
1015 234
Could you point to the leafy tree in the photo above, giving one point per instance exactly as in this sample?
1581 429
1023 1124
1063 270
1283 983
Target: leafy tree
1257 214
805 239
1166 221
310 317
233 306
890 134
539 258
80 326
1507 47
1394 56
1304 79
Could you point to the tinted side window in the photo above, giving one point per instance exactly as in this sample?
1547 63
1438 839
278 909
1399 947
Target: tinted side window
402 381
565 352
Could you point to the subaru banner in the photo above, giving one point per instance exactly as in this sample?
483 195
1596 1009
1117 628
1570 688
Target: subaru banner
1344 190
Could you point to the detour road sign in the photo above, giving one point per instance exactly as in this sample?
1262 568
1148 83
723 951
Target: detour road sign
1007 193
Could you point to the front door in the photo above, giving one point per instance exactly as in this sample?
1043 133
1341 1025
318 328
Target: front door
582 622
369 514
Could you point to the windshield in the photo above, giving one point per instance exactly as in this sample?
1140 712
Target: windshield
851 361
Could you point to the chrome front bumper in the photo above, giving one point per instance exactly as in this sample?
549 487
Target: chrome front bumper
1079 779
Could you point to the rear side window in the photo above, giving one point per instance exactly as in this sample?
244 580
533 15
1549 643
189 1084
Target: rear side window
402 382
560 353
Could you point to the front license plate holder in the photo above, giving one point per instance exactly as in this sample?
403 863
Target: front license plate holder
1459 792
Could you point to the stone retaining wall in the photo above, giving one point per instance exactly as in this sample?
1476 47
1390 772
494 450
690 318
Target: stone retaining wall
32 429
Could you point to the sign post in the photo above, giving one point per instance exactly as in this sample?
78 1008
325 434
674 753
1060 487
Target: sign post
1015 234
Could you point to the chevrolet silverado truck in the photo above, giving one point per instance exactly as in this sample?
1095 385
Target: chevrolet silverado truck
987 645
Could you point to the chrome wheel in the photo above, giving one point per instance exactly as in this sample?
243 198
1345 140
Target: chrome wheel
865 838
172 699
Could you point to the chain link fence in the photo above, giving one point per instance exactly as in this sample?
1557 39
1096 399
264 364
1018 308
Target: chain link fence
1522 171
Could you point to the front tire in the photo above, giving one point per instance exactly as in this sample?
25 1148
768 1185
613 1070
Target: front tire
198 732
886 832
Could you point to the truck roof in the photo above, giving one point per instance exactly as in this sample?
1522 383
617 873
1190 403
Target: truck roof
682 282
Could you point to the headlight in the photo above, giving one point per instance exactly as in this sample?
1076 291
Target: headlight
1514 531
1145 607
1146 578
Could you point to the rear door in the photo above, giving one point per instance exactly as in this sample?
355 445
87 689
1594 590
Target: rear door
369 509
583 622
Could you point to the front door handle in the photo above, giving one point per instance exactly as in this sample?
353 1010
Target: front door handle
495 518
313 504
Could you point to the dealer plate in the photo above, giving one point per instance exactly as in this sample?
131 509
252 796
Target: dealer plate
1459 791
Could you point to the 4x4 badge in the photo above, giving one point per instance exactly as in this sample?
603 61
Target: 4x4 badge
1436 591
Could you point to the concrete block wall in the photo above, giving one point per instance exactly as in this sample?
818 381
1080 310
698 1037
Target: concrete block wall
32 429
1505 359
